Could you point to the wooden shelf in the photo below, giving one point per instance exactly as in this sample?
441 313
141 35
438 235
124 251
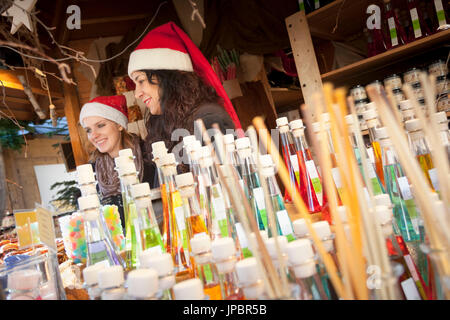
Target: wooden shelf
349 16
385 59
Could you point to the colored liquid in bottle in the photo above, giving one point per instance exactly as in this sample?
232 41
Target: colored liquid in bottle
292 176
196 225
151 238
378 162
426 164
310 192
284 223
133 238
166 223
212 291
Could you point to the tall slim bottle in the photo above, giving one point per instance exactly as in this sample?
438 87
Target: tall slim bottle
397 34
147 224
231 157
99 245
289 156
283 221
252 185
206 270
303 268
440 119
371 118
179 234
224 256
397 186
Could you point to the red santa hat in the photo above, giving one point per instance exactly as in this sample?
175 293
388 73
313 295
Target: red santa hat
113 108
167 47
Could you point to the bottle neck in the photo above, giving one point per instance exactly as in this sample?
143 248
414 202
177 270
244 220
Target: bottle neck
145 210
92 225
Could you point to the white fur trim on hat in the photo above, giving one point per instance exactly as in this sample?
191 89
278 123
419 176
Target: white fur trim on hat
159 58
102 110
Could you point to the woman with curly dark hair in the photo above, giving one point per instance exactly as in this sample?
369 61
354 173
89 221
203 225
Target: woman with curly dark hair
178 85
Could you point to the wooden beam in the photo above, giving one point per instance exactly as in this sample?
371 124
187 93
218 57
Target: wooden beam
72 111
305 58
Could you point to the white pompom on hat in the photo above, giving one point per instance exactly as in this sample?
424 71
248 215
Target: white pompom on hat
113 108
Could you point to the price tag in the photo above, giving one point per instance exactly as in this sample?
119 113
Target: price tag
241 235
258 193
26 228
393 32
434 178
415 22
218 203
405 190
46 227
410 289
440 12
370 154
284 222
315 180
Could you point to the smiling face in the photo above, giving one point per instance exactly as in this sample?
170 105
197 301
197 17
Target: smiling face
147 92
104 134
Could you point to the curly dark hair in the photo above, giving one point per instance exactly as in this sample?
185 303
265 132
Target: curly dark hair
181 94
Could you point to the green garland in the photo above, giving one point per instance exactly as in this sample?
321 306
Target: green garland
10 136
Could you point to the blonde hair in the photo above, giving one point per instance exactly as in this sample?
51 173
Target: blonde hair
126 141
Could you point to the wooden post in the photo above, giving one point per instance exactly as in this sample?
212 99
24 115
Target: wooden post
72 111
2 185
305 58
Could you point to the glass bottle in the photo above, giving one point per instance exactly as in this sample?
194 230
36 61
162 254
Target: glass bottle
283 221
146 220
252 185
323 231
187 141
440 119
371 118
397 186
311 188
410 281
419 147
128 177
377 187
191 289
250 279
206 270
303 268
111 282
224 256
397 34
179 234
289 156
194 219
163 264
99 245
90 276
418 28
441 13
215 197
142 284
231 157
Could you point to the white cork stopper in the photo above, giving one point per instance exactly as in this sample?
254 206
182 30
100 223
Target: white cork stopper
325 117
242 143
127 168
439 117
272 249
196 145
323 231
381 133
342 212
301 257
191 289
382 200
140 190
228 138
283 121
184 179
405 105
413 125
408 114
300 228
349 119
266 161
200 244
370 106
222 250
153 259
142 283
296 124
110 277
384 217
188 140
121 161
249 277
167 159
316 127
158 149
126 153
90 273
88 202
254 242
85 174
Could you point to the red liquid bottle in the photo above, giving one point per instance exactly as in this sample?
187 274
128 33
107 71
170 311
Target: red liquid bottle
397 34
289 156
417 28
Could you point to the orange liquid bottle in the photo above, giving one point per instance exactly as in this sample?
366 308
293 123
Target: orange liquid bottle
370 116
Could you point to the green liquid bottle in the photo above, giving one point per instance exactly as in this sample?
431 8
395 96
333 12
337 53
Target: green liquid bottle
397 186
148 226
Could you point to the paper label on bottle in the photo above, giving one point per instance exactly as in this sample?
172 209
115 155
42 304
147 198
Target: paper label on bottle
390 157
410 290
404 188
411 266
315 180
393 32
336 177
440 12
258 193
434 178
301 5
284 222
374 180
294 162
179 216
371 155
219 211
241 235
316 4
415 22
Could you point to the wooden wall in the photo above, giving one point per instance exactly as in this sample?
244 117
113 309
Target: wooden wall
24 191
